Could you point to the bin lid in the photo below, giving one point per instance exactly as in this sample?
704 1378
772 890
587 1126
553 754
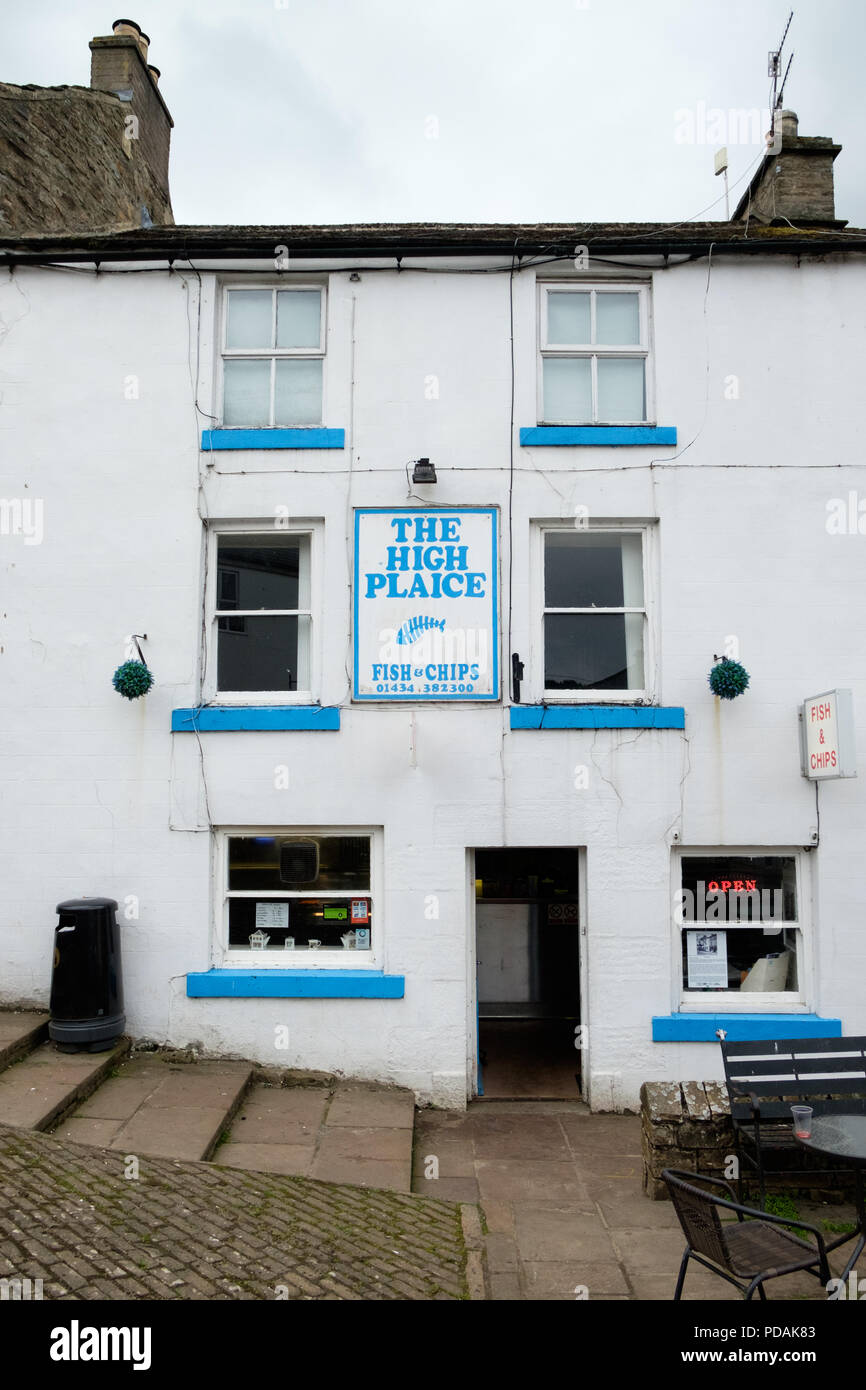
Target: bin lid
82 904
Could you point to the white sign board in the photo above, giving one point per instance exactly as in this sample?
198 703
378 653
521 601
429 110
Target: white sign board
707 959
425 604
272 915
827 742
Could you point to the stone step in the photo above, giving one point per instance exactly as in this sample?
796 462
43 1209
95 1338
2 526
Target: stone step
40 1089
343 1133
20 1031
157 1107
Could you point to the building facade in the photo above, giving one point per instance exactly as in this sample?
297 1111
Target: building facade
431 773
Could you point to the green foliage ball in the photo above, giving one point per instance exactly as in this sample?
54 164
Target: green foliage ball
728 679
132 679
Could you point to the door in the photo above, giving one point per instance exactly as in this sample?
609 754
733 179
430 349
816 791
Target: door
527 954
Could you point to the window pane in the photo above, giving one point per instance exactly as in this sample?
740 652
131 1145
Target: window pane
514 873
742 959
739 888
247 393
326 920
249 319
264 654
299 315
265 572
568 319
592 571
567 389
299 863
617 318
593 651
298 392
621 389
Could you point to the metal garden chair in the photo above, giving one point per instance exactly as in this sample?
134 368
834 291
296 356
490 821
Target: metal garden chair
745 1252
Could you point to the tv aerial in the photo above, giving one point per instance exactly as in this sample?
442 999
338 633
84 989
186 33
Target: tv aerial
774 69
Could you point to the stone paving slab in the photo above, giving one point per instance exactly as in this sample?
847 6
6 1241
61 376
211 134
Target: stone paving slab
294 1159
197 1231
563 1204
345 1132
364 1172
20 1031
161 1108
369 1107
40 1088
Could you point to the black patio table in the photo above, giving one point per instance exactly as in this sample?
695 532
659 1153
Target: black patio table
843 1137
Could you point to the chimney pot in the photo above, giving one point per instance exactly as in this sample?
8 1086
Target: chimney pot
789 125
122 27
154 72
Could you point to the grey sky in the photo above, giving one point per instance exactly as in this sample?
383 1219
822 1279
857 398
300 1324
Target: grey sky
562 110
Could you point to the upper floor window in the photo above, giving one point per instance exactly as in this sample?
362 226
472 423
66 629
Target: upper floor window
594 613
594 345
262 616
273 350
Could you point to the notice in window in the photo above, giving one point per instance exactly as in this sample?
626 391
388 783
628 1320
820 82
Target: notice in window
707 956
272 915
425 605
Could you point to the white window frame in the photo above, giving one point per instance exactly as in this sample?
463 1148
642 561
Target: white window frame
594 351
646 695
274 354
733 1000
223 955
314 529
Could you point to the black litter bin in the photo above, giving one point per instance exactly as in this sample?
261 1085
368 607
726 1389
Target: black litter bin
86 982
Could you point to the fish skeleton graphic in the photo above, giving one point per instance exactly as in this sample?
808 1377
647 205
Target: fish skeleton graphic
413 628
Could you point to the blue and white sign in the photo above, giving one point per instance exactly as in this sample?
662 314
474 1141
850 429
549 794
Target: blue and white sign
426 621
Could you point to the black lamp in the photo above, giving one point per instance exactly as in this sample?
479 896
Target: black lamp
423 472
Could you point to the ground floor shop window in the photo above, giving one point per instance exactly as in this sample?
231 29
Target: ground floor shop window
299 896
740 927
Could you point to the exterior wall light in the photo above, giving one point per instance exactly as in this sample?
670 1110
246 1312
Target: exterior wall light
424 472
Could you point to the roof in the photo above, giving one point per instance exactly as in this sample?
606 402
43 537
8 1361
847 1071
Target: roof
406 239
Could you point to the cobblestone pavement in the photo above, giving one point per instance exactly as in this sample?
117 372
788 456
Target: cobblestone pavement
70 1217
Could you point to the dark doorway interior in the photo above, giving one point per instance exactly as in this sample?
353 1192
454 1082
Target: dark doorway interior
527 963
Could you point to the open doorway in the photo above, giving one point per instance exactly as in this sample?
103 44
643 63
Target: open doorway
527 954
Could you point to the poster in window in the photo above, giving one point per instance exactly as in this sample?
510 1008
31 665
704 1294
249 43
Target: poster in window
425 604
707 958
272 915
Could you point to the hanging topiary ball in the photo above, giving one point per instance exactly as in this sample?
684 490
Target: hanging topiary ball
728 679
132 679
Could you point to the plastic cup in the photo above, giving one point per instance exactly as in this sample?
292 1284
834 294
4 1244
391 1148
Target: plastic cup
802 1120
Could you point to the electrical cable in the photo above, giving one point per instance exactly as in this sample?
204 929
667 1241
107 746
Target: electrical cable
511 472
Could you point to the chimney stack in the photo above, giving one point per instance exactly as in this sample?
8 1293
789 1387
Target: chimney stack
118 64
795 184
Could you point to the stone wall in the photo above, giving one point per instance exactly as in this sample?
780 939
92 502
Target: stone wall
687 1124
683 1125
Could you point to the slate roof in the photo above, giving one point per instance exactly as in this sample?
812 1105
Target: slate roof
407 239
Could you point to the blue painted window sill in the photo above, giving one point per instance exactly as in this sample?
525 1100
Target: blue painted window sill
743 1027
221 718
597 717
294 984
598 434
307 438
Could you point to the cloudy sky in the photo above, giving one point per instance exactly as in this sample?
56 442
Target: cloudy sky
468 110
